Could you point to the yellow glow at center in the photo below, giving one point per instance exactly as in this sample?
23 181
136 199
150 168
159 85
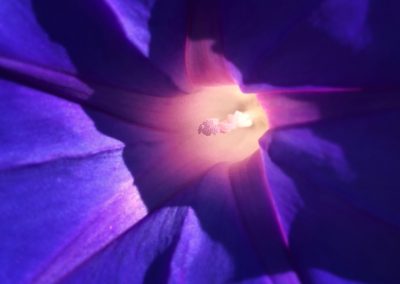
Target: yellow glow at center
219 102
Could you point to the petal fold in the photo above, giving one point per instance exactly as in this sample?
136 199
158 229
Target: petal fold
335 184
313 43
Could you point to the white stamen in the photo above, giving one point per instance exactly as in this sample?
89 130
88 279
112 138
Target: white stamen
212 126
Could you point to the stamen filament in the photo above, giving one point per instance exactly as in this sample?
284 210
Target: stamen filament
213 126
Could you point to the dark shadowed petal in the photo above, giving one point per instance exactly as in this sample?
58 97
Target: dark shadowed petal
335 186
85 38
158 29
312 43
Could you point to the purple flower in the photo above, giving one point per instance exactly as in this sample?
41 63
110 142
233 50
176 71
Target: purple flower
104 177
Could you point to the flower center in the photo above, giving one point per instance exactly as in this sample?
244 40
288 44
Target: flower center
236 120
227 123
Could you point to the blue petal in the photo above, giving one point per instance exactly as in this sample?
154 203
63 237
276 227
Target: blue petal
82 38
65 189
335 43
197 237
335 186
158 29
335 182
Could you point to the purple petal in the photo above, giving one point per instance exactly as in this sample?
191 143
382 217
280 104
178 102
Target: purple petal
328 213
22 38
335 186
198 237
300 107
82 38
331 43
158 29
65 189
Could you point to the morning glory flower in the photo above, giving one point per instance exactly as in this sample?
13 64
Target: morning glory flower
110 171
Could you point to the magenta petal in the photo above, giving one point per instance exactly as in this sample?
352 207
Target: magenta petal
335 185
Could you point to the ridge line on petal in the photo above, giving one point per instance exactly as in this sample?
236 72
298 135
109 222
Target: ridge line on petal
58 158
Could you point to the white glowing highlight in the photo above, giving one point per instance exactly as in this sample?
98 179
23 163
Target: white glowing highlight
213 111
213 126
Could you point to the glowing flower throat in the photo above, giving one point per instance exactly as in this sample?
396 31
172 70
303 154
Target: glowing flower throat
212 110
